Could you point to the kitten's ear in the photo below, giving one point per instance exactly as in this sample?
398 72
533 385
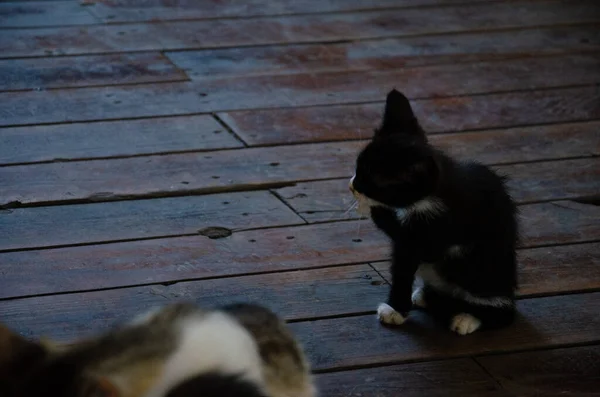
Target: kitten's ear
398 117
17 357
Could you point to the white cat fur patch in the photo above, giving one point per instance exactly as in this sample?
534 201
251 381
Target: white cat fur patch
210 342
418 298
428 273
426 207
387 315
464 324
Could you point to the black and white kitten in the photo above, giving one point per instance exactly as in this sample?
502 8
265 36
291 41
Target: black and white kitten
453 226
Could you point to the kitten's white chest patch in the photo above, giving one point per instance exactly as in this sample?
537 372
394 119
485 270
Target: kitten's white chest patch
213 342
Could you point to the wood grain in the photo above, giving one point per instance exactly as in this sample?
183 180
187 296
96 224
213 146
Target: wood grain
448 378
174 174
543 270
386 53
294 29
553 180
82 71
142 100
157 10
33 14
250 168
550 270
357 341
553 373
123 220
167 260
323 201
439 115
113 138
295 295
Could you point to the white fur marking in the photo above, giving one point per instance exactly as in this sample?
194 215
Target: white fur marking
387 315
454 250
428 273
213 342
464 324
418 298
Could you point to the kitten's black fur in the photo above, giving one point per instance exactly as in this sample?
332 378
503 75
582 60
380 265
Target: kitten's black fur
399 168
216 385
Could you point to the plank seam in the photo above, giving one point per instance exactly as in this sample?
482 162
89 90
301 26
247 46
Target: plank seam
313 42
103 22
316 105
229 129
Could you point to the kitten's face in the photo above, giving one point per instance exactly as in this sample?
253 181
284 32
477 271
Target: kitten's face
397 168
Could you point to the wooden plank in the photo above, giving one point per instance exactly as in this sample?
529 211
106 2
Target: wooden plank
536 143
357 341
550 270
294 29
449 378
112 139
386 53
256 167
295 295
557 372
322 201
34 14
83 104
553 180
559 223
544 270
195 257
81 71
440 115
157 10
174 174
122 220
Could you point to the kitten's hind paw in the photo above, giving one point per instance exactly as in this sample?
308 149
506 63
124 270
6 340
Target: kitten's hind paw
464 324
418 298
387 315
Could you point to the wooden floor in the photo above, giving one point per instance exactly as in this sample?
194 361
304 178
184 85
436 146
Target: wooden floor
151 153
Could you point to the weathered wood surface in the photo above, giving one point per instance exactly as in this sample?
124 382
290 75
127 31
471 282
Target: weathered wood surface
386 53
113 139
228 170
294 29
125 220
193 257
543 270
357 341
16 14
114 159
448 378
17 108
553 373
553 180
549 270
439 115
324 201
82 71
174 174
158 10
296 295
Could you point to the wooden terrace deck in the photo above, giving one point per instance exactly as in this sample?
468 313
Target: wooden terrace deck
153 151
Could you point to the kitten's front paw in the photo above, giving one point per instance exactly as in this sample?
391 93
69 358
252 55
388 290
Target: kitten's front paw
387 315
464 324
418 298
